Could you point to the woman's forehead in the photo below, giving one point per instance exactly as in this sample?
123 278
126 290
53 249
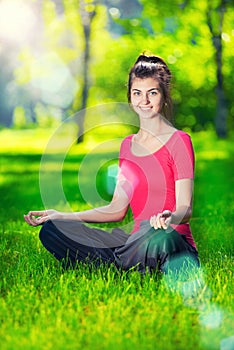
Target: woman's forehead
145 84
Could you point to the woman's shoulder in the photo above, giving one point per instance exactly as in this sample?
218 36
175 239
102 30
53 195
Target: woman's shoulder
126 143
180 140
127 139
180 134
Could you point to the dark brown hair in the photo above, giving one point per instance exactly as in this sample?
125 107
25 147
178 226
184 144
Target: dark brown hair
153 67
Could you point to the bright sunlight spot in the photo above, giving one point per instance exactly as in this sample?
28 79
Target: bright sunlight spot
16 20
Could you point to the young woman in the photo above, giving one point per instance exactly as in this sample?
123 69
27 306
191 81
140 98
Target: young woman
156 170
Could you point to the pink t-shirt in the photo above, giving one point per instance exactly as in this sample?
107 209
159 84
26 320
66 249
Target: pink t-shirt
149 181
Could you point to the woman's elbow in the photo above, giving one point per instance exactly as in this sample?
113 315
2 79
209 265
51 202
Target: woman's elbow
119 216
184 214
188 214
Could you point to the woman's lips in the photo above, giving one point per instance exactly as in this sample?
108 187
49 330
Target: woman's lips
145 108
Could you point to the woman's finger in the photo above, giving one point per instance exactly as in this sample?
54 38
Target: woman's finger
166 213
26 218
32 220
42 219
153 222
37 213
163 222
160 221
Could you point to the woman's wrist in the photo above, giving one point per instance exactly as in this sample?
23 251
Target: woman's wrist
180 216
174 218
73 216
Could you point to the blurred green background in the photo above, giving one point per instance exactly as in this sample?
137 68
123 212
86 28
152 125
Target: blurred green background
58 57
63 72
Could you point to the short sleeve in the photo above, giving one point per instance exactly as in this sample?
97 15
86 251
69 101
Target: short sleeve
124 147
183 157
123 173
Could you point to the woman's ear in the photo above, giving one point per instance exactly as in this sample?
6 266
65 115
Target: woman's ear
162 104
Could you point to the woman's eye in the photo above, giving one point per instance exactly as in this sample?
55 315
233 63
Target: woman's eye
153 93
136 93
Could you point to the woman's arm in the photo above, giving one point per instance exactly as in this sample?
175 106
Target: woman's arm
114 211
183 212
184 198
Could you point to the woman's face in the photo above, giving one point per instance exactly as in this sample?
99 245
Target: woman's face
146 97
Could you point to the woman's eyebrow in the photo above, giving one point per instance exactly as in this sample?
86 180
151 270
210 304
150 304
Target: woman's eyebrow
155 88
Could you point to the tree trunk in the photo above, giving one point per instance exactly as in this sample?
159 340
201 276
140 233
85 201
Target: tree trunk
221 107
86 18
221 110
6 78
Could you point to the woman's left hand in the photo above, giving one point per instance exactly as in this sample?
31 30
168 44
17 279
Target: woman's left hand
161 220
36 218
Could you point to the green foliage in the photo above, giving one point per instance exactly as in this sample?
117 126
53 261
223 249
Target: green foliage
176 30
44 307
181 35
19 117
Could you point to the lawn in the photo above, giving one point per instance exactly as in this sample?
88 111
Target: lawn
44 307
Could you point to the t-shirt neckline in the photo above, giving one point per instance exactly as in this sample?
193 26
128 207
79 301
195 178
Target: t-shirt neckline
153 153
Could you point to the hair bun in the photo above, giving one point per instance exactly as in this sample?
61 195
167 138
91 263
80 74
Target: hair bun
152 62
150 59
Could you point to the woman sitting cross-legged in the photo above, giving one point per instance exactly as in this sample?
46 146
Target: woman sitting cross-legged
156 171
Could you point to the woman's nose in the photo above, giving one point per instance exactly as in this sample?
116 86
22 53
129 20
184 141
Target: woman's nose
145 98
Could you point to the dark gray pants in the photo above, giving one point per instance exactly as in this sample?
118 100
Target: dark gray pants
146 250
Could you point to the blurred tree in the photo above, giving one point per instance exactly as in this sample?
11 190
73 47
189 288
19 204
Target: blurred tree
190 35
81 51
184 33
17 22
120 11
15 42
215 17
6 83
73 19
87 11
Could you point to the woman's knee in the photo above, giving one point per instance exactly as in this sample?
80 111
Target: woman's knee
46 231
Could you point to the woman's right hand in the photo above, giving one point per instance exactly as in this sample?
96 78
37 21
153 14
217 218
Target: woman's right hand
36 218
161 220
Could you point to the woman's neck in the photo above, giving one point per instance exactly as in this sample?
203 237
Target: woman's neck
154 127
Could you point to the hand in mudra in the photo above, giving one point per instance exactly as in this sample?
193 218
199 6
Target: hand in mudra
36 218
161 220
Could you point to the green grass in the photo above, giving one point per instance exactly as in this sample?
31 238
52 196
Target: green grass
45 307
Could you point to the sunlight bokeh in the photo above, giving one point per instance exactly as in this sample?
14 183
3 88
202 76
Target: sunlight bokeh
17 21
54 80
